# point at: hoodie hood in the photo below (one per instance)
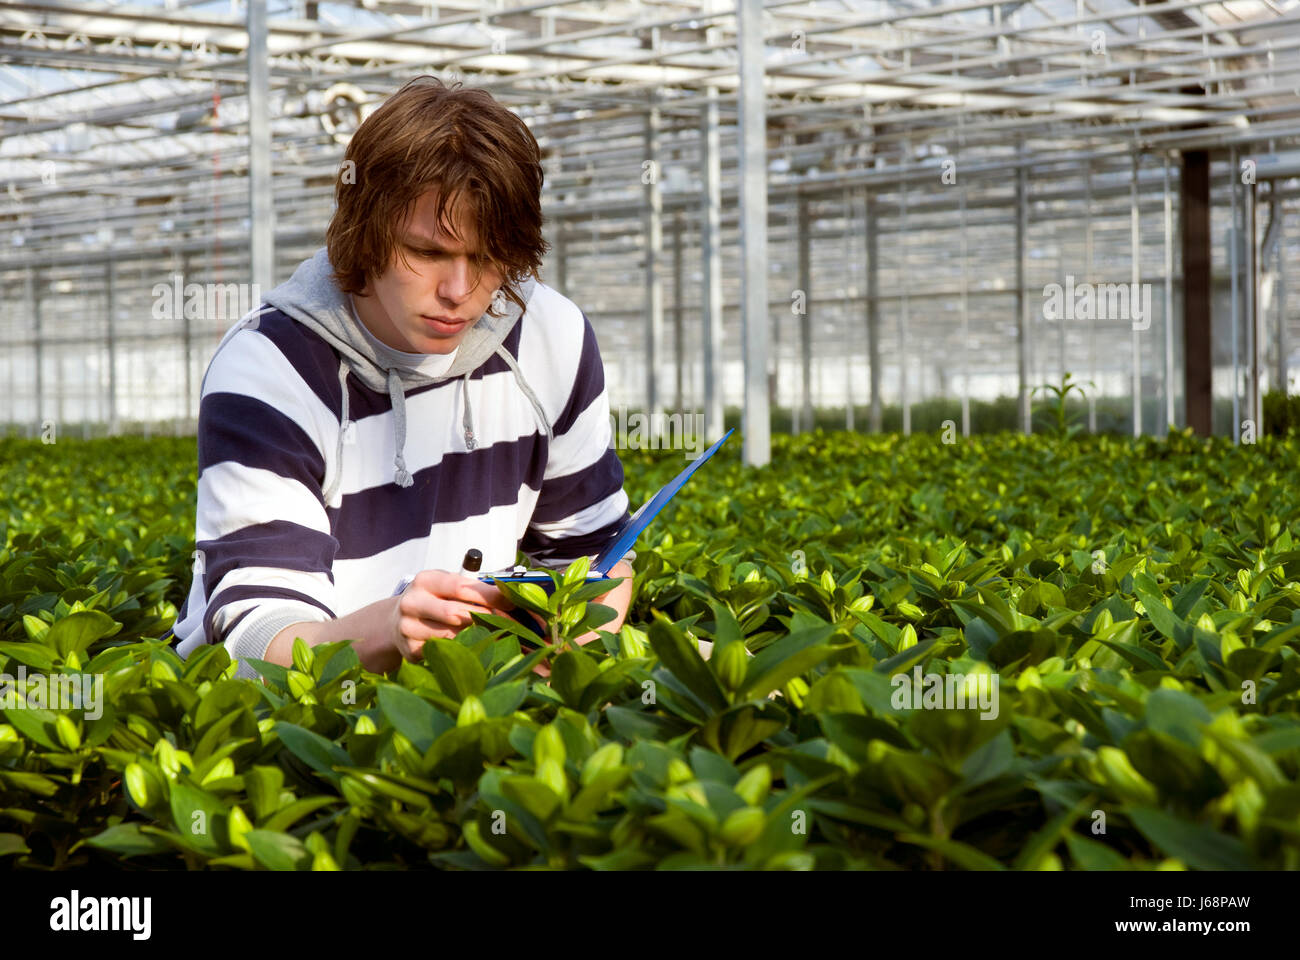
(312, 298)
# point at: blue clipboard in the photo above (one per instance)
(622, 542)
(631, 528)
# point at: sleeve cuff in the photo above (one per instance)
(252, 637)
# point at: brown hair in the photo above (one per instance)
(460, 142)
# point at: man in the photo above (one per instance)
(414, 390)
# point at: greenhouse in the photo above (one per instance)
(950, 346)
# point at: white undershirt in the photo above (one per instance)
(429, 364)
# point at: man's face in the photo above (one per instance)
(444, 279)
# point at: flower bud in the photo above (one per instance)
(168, 760)
(137, 785)
(68, 733)
(238, 824)
(732, 664)
(485, 851)
(679, 772)
(471, 711)
(607, 757)
(742, 827)
(551, 773)
(754, 785)
(631, 642)
(300, 684)
(795, 690)
(548, 745)
(910, 610)
(223, 768)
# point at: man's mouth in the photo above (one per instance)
(444, 324)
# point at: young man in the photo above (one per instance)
(414, 390)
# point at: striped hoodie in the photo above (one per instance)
(331, 466)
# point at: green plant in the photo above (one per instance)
(1062, 429)
(1137, 601)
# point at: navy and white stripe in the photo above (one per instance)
(275, 552)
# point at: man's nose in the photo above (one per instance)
(458, 281)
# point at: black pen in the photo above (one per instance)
(468, 568)
(470, 565)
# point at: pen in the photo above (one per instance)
(468, 568)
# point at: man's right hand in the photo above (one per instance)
(437, 603)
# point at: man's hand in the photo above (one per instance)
(438, 604)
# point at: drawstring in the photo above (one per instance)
(402, 478)
(504, 354)
(343, 426)
(468, 421)
(401, 475)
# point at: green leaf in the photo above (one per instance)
(36, 725)
(576, 571)
(632, 723)
(1177, 714)
(126, 840)
(34, 783)
(78, 631)
(314, 750)
(507, 624)
(530, 596)
(1138, 657)
(457, 670)
(30, 654)
(1091, 854)
(725, 628)
(263, 785)
(504, 699)
(507, 674)
(789, 657)
(709, 765)
(607, 684)
(35, 627)
(278, 851)
(593, 589)
(682, 658)
(196, 815)
(412, 716)
(291, 813)
(1197, 845)
(571, 671)
(964, 855)
(533, 795)
(1164, 619)
(905, 660)
(390, 786)
(741, 728)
